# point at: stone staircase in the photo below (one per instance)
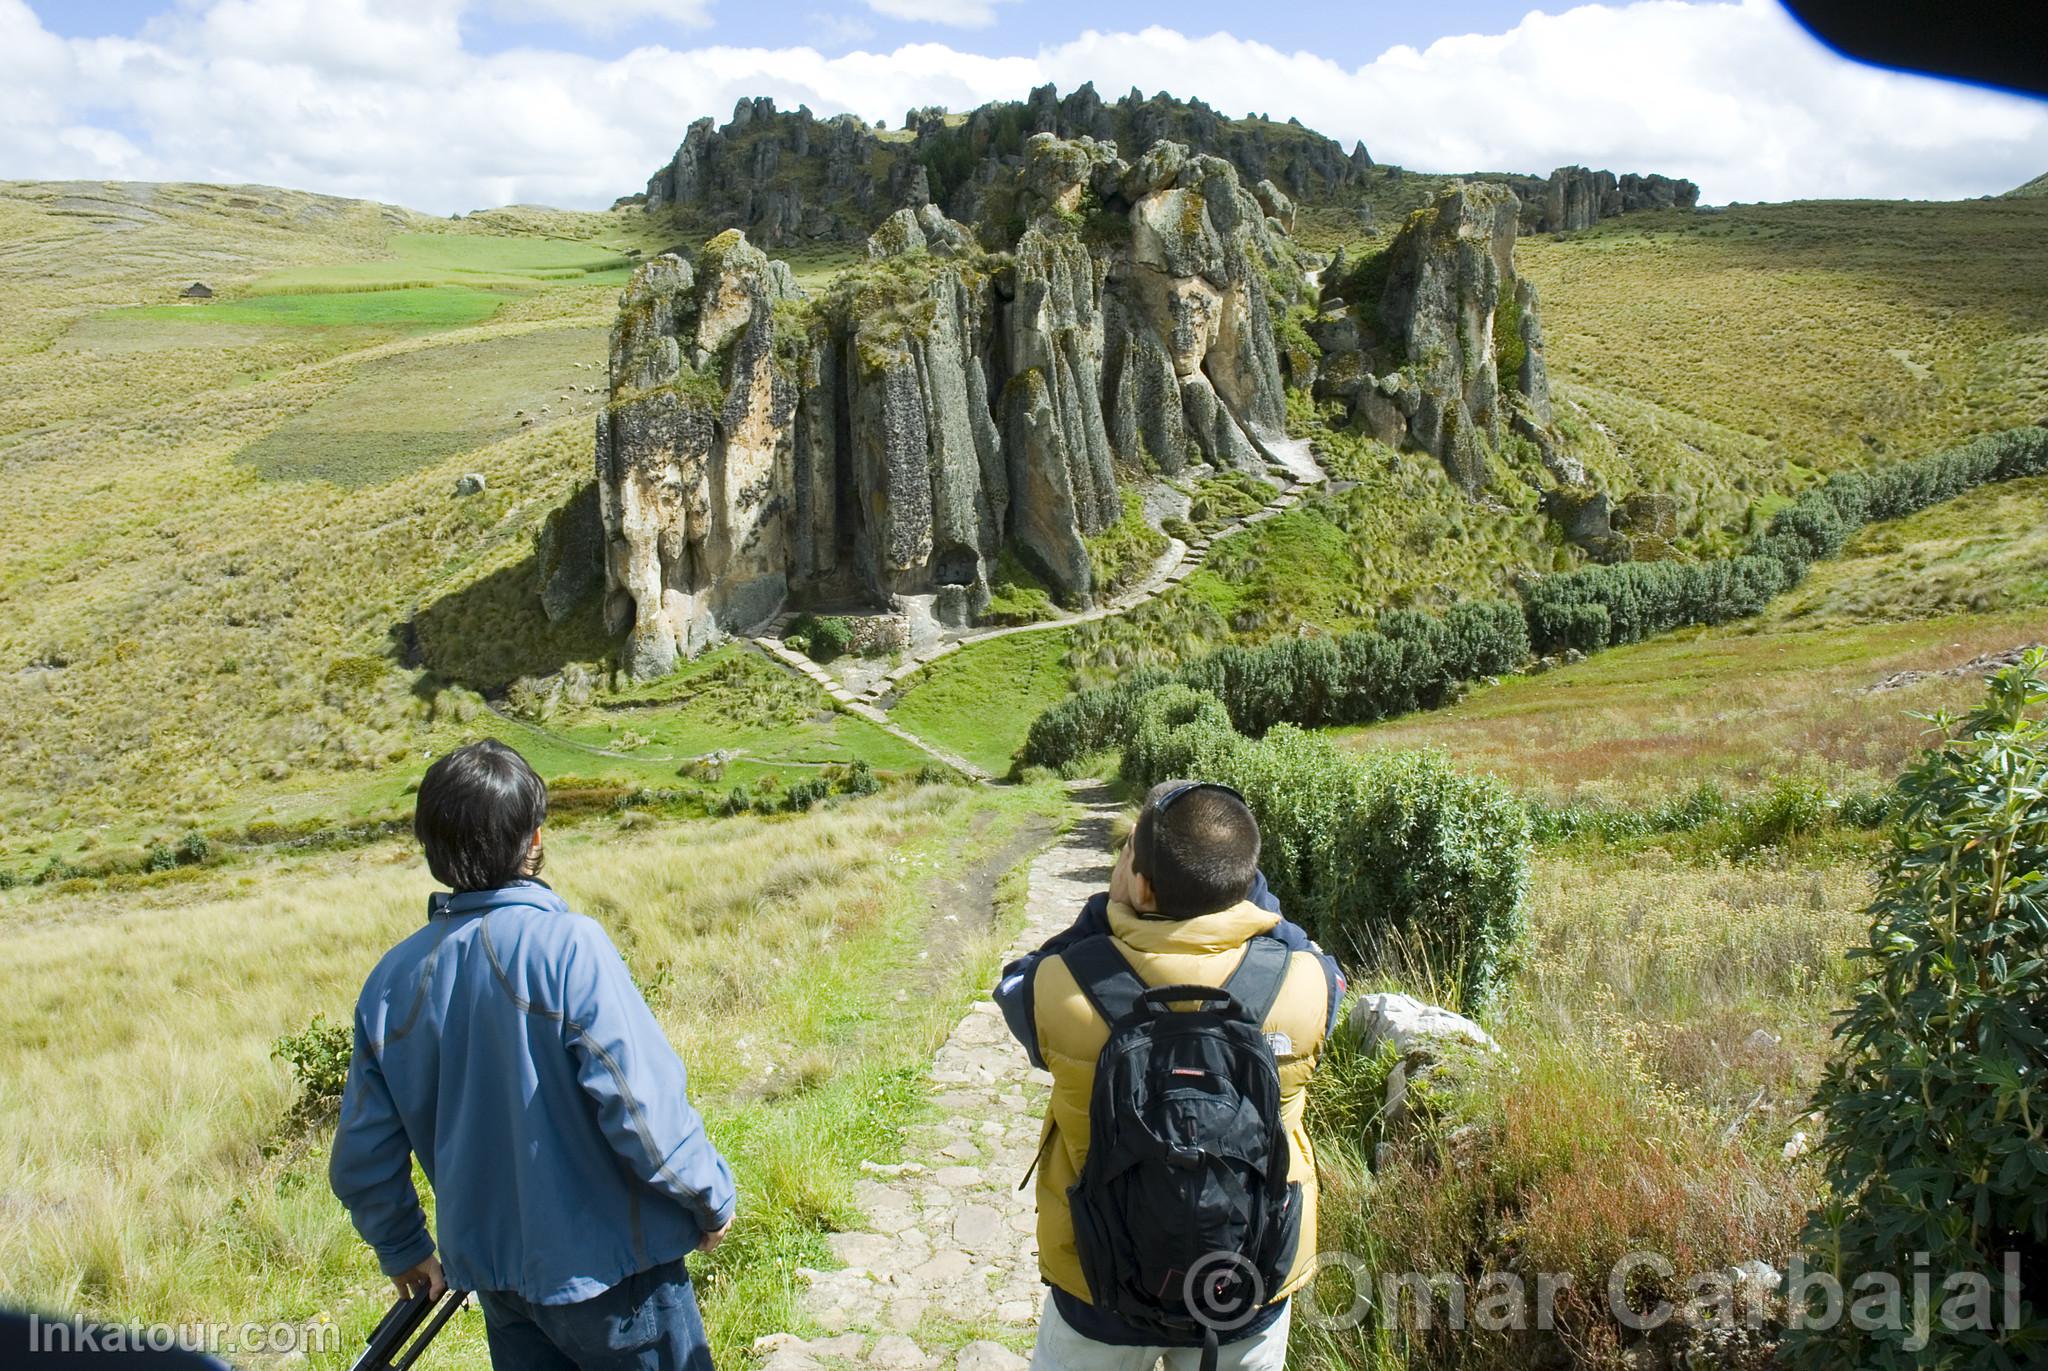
(1179, 561)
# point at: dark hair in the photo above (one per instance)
(1198, 845)
(477, 812)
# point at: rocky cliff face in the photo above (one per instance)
(882, 446)
(1575, 198)
(785, 176)
(1436, 343)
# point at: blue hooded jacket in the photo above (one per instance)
(507, 1047)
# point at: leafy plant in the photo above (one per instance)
(806, 794)
(820, 637)
(319, 1056)
(1410, 660)
(1937, 1129)
(1394, 859)
(860, 778)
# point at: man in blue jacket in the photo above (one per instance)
(505, 1045)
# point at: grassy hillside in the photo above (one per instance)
(226, 520)
(802, 968)
(1807, 688)
(1723, 356)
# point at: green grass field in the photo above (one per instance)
(978, 701)
(400, 413)
(427, 307)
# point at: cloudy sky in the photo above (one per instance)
(448, 105)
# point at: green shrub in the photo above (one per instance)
(1409, 661)
(1394, 860)
(318, 1056)
(806, 794)
(1644, 598)
(158, 857)
(1792, 808)
(193, 849)
(860, 778)
(738, 800)
(820, 637)
(1935, 1120)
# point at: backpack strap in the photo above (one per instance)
(1257, 982)
(1108, 981)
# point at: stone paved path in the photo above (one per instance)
(946, 1271)
(1176, 564)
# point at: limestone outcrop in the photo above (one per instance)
(883, 445)
(786, 176)
(1576, 198)
(1436, 343)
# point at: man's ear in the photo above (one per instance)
(1141, 894)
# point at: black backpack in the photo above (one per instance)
(1183, 1214)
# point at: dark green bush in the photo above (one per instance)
(860, 778)
(806, 794)
(820, 637)
(1645, 598)
(738, 800)
(1394, 861)
(1934, 1140)
(1409, 661)
(318, 1056)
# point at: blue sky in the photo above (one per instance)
(448, 105)
(1351, 32)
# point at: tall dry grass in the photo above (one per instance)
(152, 1172)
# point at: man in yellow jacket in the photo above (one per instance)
(1178, 913)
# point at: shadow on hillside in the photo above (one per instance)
(490, 633)
(487, 635)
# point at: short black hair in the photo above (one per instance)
(478, 809)
(1198, 845)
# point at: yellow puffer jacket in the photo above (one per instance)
(1202, 951)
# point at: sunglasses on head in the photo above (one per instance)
(1155, 808)
(1180, 792)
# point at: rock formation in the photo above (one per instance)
(785, 176)
(781, 176)
(1436, 342)
(1575, 198)
(883, 445)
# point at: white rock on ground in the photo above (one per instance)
(1412, 1026)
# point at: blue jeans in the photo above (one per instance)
(647, 1322)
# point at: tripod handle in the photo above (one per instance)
(398, 1325)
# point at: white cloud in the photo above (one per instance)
(958, 14)
(379, 98)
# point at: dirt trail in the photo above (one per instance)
(946, 1273)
